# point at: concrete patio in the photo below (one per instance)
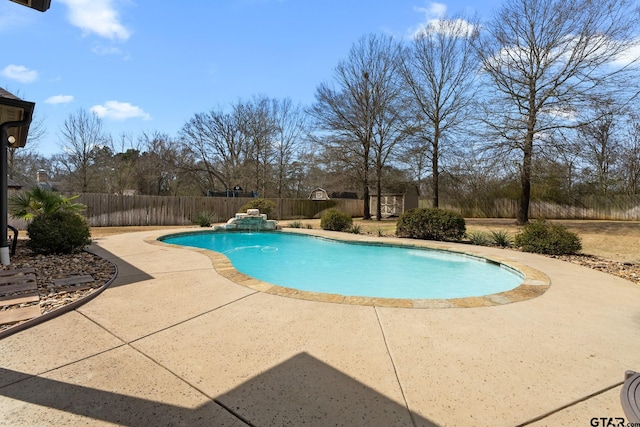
(172, 342)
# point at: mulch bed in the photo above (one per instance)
(61, 279)
(626, 270)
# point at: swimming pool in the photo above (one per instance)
(316, 264)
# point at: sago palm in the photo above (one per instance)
(37, 201)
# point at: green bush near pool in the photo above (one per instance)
(431, 224)
(335, 220)
(543, 237)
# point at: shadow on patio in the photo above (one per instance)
(301, 390)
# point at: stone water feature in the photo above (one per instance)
(253, 220)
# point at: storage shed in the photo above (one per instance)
(394, 203)
(319, 194)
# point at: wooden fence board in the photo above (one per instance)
(105, 210)
(619, 208)
(111, 210)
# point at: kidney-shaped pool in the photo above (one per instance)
(316, 264)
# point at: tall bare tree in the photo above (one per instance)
(80, 138)
(291, 127)
(545, 59)
(219, 144)
(600, 143)
(415, 156)
(630, 167)
(439, 68)
(259, 125)
(164, 167)
(123, 165)
(361, 110)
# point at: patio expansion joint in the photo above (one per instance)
(192, 317)
(570, 404)
(131, 345)
(64, 365)
(188, 383)
(191, 385)
(393, 364)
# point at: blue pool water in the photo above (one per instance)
(321, 265)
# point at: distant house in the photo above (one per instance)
(319, 194)
(42, 181)
(13, 186)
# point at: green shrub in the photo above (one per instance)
(501, 238)
(335, 220)
(479, 238)
(295, 224)
(265, 206)
(60, 232)
(204, 219)
(545, 238)
(431, 224)
(355, 229)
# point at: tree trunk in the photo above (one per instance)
(366, 214)
(379, 198)
(367, 209)
(525, 197)
(436, 174)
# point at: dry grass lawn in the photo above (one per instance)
(613, 240)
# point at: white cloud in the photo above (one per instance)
(59, 99)
(433, 11)
(631, 55)
(436, 20)
(119, 111)
(20, 73)
(97, 16)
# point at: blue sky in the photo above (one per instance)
(151, 65)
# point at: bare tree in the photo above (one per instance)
(415, 156)
(252, 145)
(361, 109)
(545, 59)
(630, 157)
(258, 123)
(164, 167)
(80, 136)
(18, 158)
(600, 144)
(439, 68)
(291, 126)
(126, 155)
(566, 152)
(219, 145)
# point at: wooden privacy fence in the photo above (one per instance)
(111, 210)
(617, 208)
